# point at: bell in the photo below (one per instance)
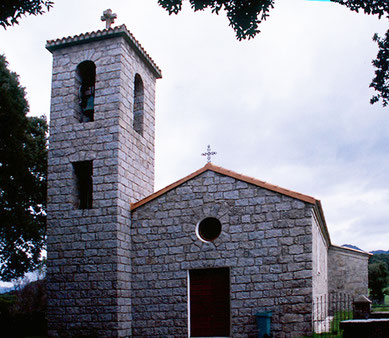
(90, 104)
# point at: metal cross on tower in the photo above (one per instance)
(209, 153)
(109, 18)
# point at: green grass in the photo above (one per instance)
(326, 334)
(338, 317)
(335, 331)
(384, 307)
(379, 308)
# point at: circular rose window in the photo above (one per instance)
(209, 229)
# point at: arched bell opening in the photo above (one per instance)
(86, 75)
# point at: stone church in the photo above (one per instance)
(198, 258)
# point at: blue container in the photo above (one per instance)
(263, 320)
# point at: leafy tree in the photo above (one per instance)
(374, 7)
(12, 10)
(23, 310)
(377, 280)
(246, 15)
(30, 297)
(23, 171)
(380, 257)
(381, 80)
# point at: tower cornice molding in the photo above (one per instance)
(119, 31)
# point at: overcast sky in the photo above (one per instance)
(290, 107)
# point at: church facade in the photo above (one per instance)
(198, 258)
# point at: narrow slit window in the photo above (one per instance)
(84, 184)
(86, 75)
(138, 104)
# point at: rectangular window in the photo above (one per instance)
(84, 184)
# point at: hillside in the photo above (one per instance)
(379, 252)
(350, 246)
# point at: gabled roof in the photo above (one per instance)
(318, 210)
(220, 170)
(122, 31)
(349, 250)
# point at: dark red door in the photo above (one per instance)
(210, 302)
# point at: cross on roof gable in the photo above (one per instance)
(318, 210)
(209, 153)
(109, 18)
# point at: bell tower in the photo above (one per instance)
(101, 159)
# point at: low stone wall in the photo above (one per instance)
(372, 328)
(381, 315)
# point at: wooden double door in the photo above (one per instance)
(209, 299)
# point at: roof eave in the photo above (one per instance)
(222, 171)
(345, 249)
(318, 209)
(120, 31)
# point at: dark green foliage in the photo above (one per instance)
(23, 312)
(244, 15)
(381, 81)
(12, 10)
(378, 273)
(6, 302)
(378, 264)
(380, 257)
(335, 323)
(23, 171)
(30, 298)
(384, 258)
(374, 7)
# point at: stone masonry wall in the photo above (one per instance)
(319, 260)
(319, 275)
(347, 271)
(88, 250)
(266, 241)
(135, 170)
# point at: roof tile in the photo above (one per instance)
(220, 170)
(102, 34)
